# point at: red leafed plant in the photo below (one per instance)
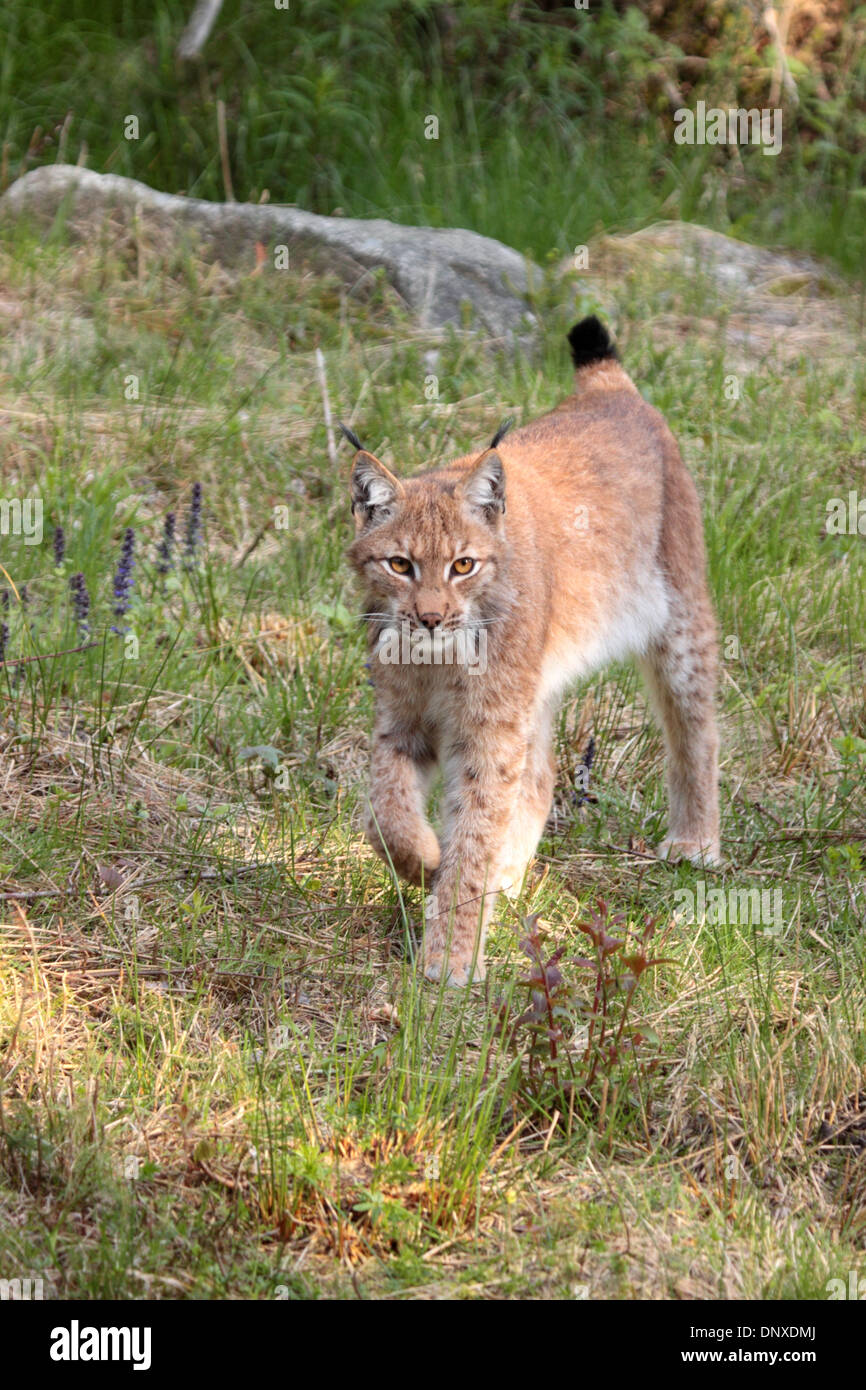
(546, 1032)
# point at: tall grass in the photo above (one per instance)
(550, 120)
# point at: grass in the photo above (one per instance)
(552, 122)
(219, 1074)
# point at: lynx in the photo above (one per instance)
(571, 542)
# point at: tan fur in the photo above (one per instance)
(598, 555)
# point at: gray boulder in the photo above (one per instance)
(438, 273)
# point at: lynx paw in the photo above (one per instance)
(701, 855)
(512, 880)
(457, 970)
(413, 851)
(457, 965)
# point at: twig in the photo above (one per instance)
(224, 151)
(48, 656)
(782, 73)
(31, 149)
(41, 893)
(61, 142)
(326, 406)
(248, 550)
(197, 31)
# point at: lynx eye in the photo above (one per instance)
(465, 565)
(399, 564)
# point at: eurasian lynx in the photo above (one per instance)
(575, 541)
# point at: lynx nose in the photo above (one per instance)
(430, 620)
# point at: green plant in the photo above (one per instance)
(559, 1056)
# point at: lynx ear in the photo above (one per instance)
(374, 490)
(484, 488)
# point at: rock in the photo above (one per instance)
(736, 267)
(699, 285)
(438, 272)
(764, 301)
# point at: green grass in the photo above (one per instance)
(551, 123)
(219, 1073)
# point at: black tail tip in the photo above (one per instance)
(590, 342)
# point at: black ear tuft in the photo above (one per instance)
(590, 342)
(501, 432)
(350, 435)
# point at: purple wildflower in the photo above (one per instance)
(59, 545)
(165, 553)
(123, 577)
(193, 526)
(80, 601)
(5, 602)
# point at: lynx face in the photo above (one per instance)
(431, 553)
(492, 542)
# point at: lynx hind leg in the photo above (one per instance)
(531, 811)
(680, 670)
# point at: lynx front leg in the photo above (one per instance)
(680, 670)
(396, 825)
(481, 792)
